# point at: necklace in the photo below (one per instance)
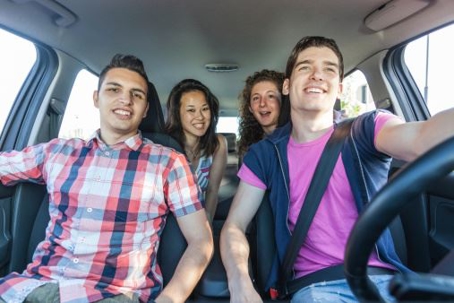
(192, 156)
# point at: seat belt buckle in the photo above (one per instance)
(274, 294)
(278, 293)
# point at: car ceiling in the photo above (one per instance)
(175, 39)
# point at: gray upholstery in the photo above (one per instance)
(154, 121)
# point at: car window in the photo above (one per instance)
(81, 118)
(227, 125)
(429, 60)
(17, 57)
(356, 97)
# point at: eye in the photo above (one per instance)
(206, 108)
(113, 89)
(332, 69)
(138, 95)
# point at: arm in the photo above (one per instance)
(234, 245)
(27, 164)
(197, 232)
(407, 141)
(216, 173)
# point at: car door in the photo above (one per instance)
(32, 107)
(18, 67)
(419, 76)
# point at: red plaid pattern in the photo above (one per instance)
(108, 205)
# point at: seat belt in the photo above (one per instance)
(55, 111)
(317, 188)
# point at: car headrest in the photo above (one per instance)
(231, 141)
(154, 121)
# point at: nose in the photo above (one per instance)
(262, 101)
(317, 74)
(200, 115)
(126, 98)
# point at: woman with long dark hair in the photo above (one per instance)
(193, 112)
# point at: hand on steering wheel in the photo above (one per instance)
(412, 180)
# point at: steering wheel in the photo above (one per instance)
(412, 180)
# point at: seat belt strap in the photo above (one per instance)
(55, 111)
(317, 188)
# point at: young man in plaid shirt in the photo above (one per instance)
(109, 198)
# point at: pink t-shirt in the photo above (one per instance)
(337, 213)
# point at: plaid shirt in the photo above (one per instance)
(108, 206)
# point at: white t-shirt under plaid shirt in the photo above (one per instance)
(107, 206)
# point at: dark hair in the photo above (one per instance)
(208, 143)
(123, 61)
(250, 131)
(314, 41)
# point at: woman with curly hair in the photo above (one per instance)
(261, 108)
(193, 112)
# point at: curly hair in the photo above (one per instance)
(250, 131)
(208, 143)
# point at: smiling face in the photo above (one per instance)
(264, 104)
(122, 103)
(314, 83)
(195, 114)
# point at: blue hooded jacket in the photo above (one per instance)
(367, 170)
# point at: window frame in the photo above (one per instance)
(24, 111)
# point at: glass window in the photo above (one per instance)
(81, 117)
(356, 97)
(17, 57)
(430, 60)
(227, 125)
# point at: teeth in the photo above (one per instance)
(314, 90)
(122, 112)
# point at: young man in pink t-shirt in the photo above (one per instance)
(284, 163)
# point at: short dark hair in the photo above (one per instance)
(314, 41)
(208, 143)
(123, 61)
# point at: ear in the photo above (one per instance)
(145, 112)
(286, 87)
(341, 88)
(95, 98)
(250, 109)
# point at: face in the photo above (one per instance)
(122, 103)
(195, 114)
(265, 104)
(314, 83)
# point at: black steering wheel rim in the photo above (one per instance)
(409, 182)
